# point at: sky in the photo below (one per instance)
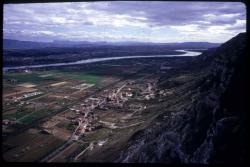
(115, 21)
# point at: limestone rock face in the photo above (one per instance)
(212, 128)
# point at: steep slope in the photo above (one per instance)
(206, 124)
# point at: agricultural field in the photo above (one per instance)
(113, 107)
(52, 75)
(29, 146)
(22, 107)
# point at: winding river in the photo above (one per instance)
(86, 61)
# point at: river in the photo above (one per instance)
(86, 61)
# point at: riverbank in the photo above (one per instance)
(86, 61)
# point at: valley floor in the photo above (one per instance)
(79, 113)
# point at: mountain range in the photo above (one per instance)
(17, 44)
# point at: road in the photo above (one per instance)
(51, 156)
(42, 119)
(54, 154)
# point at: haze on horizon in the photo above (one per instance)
(125, 21)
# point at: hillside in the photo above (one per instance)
(203, 121)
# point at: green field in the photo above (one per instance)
(28, 77)
(77, 75)
(35, 115)
(54, 75)
(38, 78)
(14, 116)
(27, 117)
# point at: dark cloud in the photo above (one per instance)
(45, 20)
(176, 13)
(156, 13)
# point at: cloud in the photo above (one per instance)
(88, 19)
(174, 13)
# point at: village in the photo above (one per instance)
(78, 114)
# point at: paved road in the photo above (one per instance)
(52, 155)
(42, 119)
(64, 146)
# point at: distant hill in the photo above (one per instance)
(195, 44)
(186, 45)
(17, 44)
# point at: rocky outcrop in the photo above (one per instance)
(212, 128)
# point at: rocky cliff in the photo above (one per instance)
(206, 124)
